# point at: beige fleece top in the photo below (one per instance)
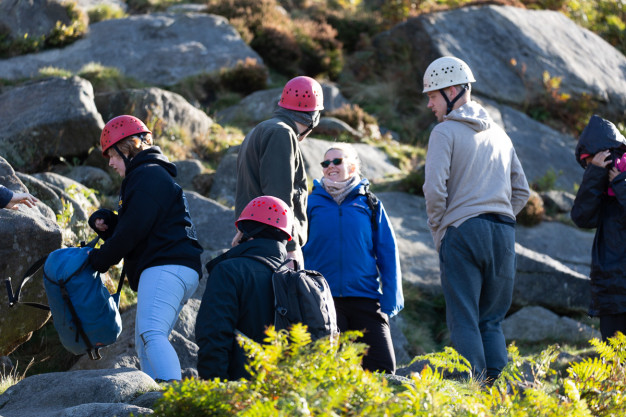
(471, 169)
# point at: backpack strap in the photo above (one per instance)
(281, 310)
(373, 203)
(94, 353)
(14, 297)
(267, 263)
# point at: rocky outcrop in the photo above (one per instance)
(543, 151)
(108, 392)
(169, 112)
(47, 119)
(34, 18)
(158, 49)
(26, 235)
(509, 48)
(538, 324)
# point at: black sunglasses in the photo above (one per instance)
(336, 161)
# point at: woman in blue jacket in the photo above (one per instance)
(354, 247)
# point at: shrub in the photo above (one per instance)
(63, 34)
(414, 181)
(600, 381)
(105, 79)
(321, 51)
(105, 12)
(246, 77)
(224, 87)
(570, 113)
(278, 47)
(290, 375)
(533, 212)
(353, 115)
(291, 46)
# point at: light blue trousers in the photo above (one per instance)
(162, 293)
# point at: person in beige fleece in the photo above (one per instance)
(474, 187)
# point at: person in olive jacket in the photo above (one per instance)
(601, 204)
(270, 162)
(239, 298)
(155, 236)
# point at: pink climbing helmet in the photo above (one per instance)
(302, 94)
(269, 210)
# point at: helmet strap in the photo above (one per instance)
(126, 159)
(121, 154)
(305, 131)
(450, 103)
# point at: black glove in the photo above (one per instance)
(110, 219)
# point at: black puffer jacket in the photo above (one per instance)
(594, 208)
(238, 297)
(154, 226)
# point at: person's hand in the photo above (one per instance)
(600, 159)
(21, 198)
(103, 222)
(101, 225)
(236, 239)
(613, 172)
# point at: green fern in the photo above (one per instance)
(293, 376)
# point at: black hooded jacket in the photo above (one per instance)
(238, 297)
(154, 226)
(595, 208)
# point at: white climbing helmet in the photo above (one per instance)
(445, 72)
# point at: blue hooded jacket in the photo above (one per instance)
(343, 246)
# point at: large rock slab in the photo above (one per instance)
(418, 258)
(158, 49)
(34, 18)
(565, 244)
(104, 392)
(536, 324)
(215, 223)
(540, 279)
(26, 235)
(541, 149)
(169, 113)
(46, 119)
(509, 49)
(544, 281)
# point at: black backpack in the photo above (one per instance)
(302, 296)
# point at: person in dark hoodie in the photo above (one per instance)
(239, 297)
(601, 204)
(155, 236)
(270, 161)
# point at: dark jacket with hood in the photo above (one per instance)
(595, 208)
(5, 196)
(270, 163)
(154, 227)
(238, 297)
